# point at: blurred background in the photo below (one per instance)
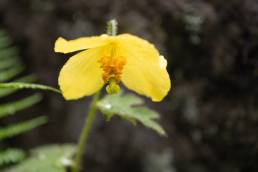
(211, 114)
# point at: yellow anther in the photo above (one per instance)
(112, 68)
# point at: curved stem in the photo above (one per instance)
(85, 133)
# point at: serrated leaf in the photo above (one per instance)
(20, 85)
(22, 127)
(11, 155)
(11, 108)
(129, 107)
(53, 158)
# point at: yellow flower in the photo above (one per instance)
(108, 60)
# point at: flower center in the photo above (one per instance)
(112, 69)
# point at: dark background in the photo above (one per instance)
(211, 113)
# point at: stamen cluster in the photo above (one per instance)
(112, 68)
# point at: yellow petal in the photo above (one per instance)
(65, 46)
(145, 70)
(81, 75)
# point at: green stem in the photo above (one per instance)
(112, 27)
(85, 133)
(111, 30)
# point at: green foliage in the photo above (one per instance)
(7, 91)
(10, 156)
(129, 107)
(11, 69)
(5, 41)
(9, 63)
(21, 127)
(12, 107)
(10, 73)
(53, 158)
(20, 85)
(7, 53)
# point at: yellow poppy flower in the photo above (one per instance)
(108, 60)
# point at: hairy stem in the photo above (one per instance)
(85, 133)
(112, 27)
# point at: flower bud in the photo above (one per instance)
(112, 87)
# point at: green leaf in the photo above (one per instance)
(4, 40)
(7, 91)
(8, 53)
(10, 156)
(11, 73)
(11, 108)
(52, 158)
(11, 68)
(22, 127)
(20, 85)
(129, 107)
(7, 63)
